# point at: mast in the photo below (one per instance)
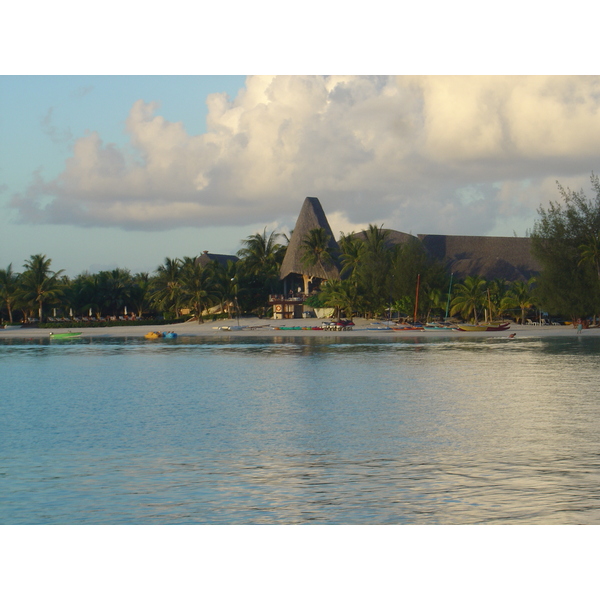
(449, 293)
(417, 298)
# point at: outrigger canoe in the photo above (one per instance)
(66, 335)
(437, 326)
(484, 327)
(298, 328)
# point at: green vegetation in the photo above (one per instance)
(179, 289)
(316, 250)
(378, 279)
(470, 296)
(565, 240)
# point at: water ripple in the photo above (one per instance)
(259, 432)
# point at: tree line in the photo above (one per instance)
(177, 287)
(566, 241)
(377, 278)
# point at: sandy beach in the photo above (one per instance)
(255, 327)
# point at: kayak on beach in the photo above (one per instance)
(65, 335)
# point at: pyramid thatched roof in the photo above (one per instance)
(311, 217)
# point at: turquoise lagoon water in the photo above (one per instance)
(300, 430)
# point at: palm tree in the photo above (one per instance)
(498, 288)
(140, 293)
(89, 293)
(375, 239)
(38, 284)
(316, 250)
(520, 295)
(114, 290)
(469, 296)
(228, 280)
(352, 250)
(167, 286)
(374, 270)
(8, 289)
(435, 300)
(198, 287)
(340, 295)
(261, 259)
(261, 254)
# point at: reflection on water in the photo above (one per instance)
(296, 430)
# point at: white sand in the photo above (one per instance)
(265, 327)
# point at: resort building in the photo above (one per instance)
(490, 257)
(207, 257)
(506, 258)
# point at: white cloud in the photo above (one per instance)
(339, 223)
(422, 154)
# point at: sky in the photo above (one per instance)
(110, 169)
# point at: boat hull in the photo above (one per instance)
(64, 336)
(484, 327)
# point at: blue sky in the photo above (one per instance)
(42, 116)
(110, 169)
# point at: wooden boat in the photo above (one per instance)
(484, 327)
(381, 326)
(341, 325)
(408, 327)
(64, 336)
(435, 327)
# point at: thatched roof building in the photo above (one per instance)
(207, 257)
(507, 258)
(311, 217)
(392, 237)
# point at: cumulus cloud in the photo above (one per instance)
(431, 154)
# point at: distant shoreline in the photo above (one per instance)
(255, 327)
